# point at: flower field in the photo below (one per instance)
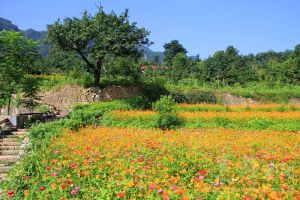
(238, 108)
(218, 152)
(209, 115)
(253, 117)
(112, 163)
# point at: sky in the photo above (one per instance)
(202, 26)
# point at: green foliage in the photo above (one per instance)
(227, 67)
(167, 116)
(124, 67)
(180, 65)
(165, 105)
(58, 61)
(30, 93)
(153, 90)
(16, 57)
(171, 50)
(279, 93)
(195, 97)
(94, 38)
(168, 121)
(80, 77)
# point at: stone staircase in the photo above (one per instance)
(11, 149)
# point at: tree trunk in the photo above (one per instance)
(8, 106)
(97, 75)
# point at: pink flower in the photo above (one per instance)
(77, 188)
(160, 191)
(54, 174)
(175, 187)
(151, 186)
(73, 192)
(200, 178)
(217, 184)
(73, 165)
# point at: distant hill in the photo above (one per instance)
(44, 50)
(35, 35)
(7, 25)
(149, 54)
(38, 36)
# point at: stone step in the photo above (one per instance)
(10, 143)
(19, 133)
(9, 148)
(8, 136)
(8, 159)
(10, 152)
(10, 139)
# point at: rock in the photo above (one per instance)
(229, 99)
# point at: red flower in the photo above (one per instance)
(287, 159)
(10, 193)
(42, 188)
(121, 195)
(203, 172)
(247, 198)
(63, 186)
(259, 155)
(73, 165)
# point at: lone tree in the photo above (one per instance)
(94, 38)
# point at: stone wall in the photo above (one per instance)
(64, 98)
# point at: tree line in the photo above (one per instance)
(228, 67)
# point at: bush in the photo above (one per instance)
(165, 105)
(153, 90)
(195, 97)
(168, 121)
(167, 116)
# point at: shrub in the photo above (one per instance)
(165, 105)
(167, 116)
(153, 90)
(168, 121)
(195, 97)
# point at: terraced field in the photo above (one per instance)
(254, 117)
(218, 153)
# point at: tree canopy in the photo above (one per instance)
(16, 57)
(94, 38)
(171, 50)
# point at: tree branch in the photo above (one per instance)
(85, 59)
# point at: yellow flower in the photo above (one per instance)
(26, 193)
(53, 186)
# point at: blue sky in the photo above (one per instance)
(202, 26)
